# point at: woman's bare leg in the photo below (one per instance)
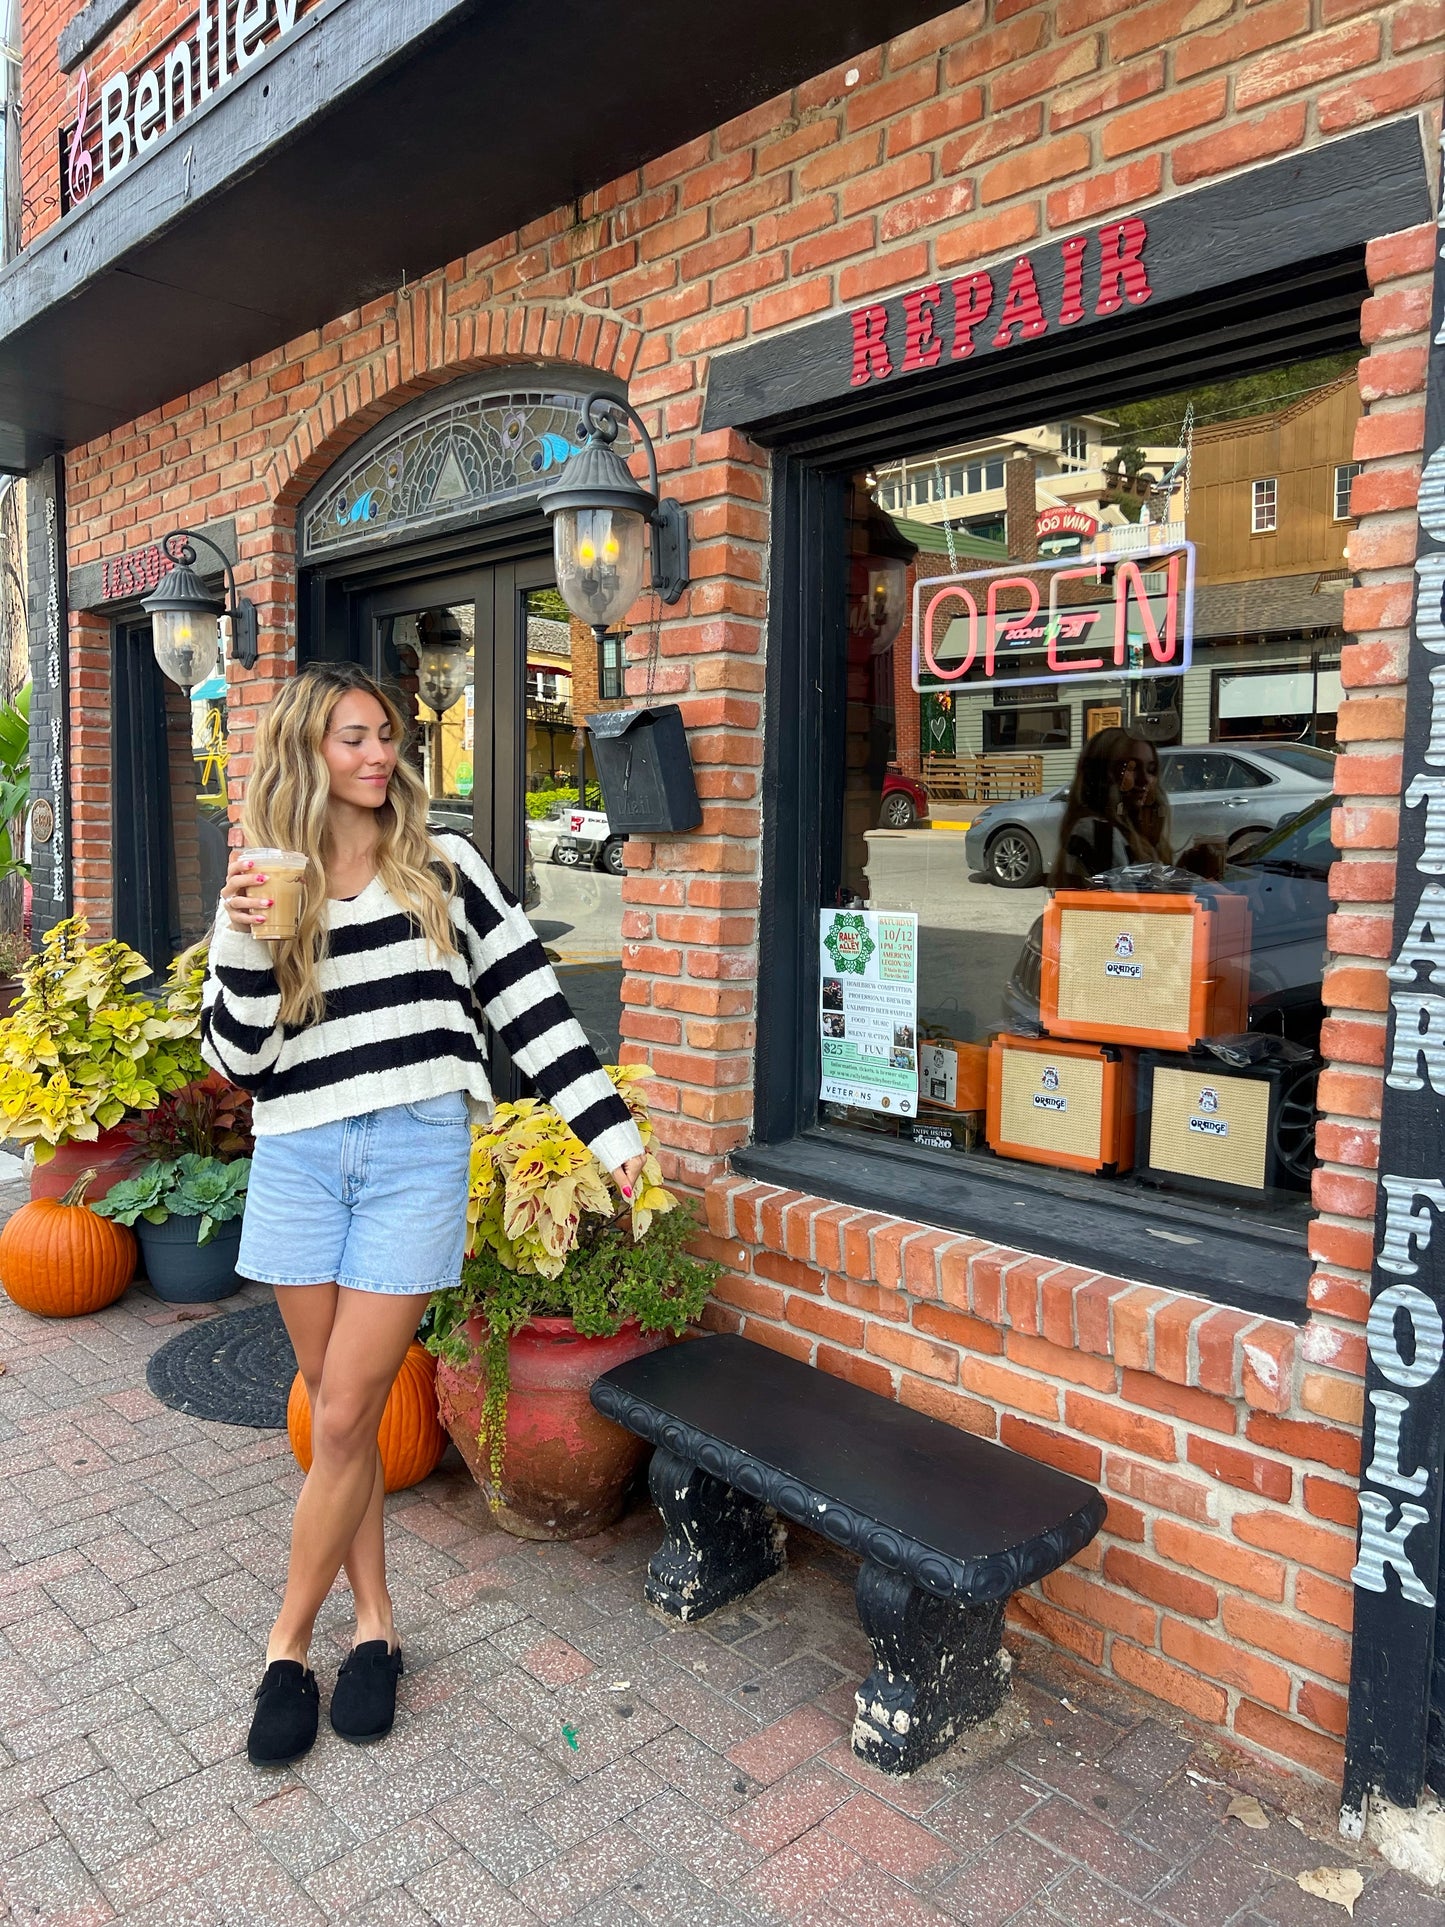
(338, 1516)
(308, 1312)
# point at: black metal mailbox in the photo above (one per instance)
(645, 769)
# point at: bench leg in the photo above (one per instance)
(720, 1543)
(938, 1667)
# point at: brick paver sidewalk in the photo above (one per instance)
(560, 1754)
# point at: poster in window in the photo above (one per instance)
(868, 1009)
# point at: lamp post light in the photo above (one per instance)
(186, 617)
(600, 515)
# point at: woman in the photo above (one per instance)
(1116, 813)
(360, 1041)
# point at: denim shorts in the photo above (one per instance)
(376, 1202)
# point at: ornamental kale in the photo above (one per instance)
(190, 1187)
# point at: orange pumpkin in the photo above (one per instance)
(59, 1260)
(411, 1436)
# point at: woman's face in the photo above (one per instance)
(1135, 771)
(359, 750)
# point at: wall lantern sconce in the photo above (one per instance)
(878, 581)
(599, 516)
(443, 660)
(186, 617)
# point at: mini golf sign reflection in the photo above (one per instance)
(1068, 620)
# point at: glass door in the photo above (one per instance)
(484, 660)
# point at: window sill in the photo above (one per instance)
(1228, 1260)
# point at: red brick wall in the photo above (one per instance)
(973, 136)
(1227, 1445)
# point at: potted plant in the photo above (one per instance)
(560, 1284)
(187, 1215)
(81, 1051)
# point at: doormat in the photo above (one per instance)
(236, 1370)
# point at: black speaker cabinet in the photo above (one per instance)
(645, 768)
(1225, 1133)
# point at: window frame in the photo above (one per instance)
(990, 716)
(610, 680)
(1176, 1242)
(1268, 500)
(1349, 470)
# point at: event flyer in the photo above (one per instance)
(869, 1009)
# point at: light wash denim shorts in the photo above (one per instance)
(376, 1202)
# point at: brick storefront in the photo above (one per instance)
(1227, 1442)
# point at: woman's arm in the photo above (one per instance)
(523, 1002)
(241, 1031)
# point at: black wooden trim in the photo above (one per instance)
(143, 854)
(1250, 229)
(1162, 1241)
(1395, 1737)
(87, 29)
(798, 750)
(50, 688)
(370, 146)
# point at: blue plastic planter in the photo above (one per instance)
(183, 1272)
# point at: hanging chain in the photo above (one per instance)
(947, 525)
(654, 647)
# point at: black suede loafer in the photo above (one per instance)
(364, 1703)
(288, 1707)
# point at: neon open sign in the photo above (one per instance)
(1072, 619)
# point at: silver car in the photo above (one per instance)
(1238, 791)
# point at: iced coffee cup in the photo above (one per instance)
(285, 885)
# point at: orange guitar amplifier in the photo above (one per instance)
(1069, 1105)
(1210, 1127)
(952, 1076)
(1163, 971)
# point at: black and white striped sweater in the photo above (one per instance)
(402, 1024)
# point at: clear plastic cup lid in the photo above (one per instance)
(292, 859)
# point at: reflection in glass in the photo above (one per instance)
(433, 650)
(1121, 882)
(574, 861)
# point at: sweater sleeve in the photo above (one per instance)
(241, 1029)
(523, 1002)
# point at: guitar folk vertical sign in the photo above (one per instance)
(1396, 1574)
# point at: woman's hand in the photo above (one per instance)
(243, 911)
(626, 1175)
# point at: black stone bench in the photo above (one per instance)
(948, 1525)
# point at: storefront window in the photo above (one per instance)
(1084, 842)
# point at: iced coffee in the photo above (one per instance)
(285, 885)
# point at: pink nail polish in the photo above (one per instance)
(627, 1190)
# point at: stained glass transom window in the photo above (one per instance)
(464, 456)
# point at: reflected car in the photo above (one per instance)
(1237, 791)
(905, 801)
(1286, 879)
(574, 837)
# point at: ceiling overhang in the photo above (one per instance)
(377, 141)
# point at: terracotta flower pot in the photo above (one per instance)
(566, 1469)
(112, 1156)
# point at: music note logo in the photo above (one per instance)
(81, 170)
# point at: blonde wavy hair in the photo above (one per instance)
(285, 809)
